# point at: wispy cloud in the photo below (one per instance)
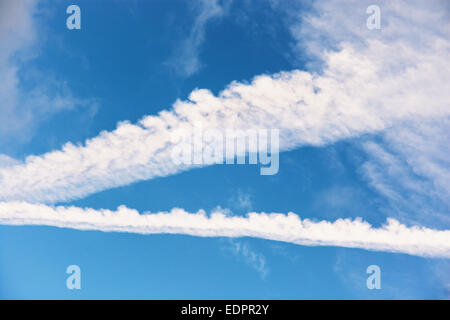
(186, 60)
(392, 237)
(255, 260)
(410, 167)
(22, 110)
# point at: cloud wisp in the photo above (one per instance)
(23, 110)
(411, 168)
(186, 60)
(255, 260)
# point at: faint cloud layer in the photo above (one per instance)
(255, 260)
(411, 169)
(24, 107)
(241, 200)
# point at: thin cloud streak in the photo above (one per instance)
(24, 108)
(186, 60)
(392, 237)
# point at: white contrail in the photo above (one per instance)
(363, 88)
(392, 237)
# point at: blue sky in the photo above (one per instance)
(362, 116)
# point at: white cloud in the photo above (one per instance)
(17, 33)
(392, 237)
(22, 110)
(16, 27)
(241, 200)
(365, 87)
(331, 23)
(186, 59)
(410, 165)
